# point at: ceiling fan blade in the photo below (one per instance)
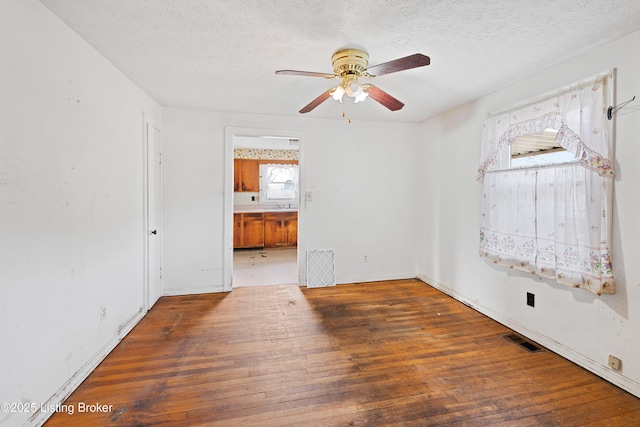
(306, 74)
(319, 100)
(383, 97)
(406, 63)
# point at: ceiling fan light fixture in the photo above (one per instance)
(352, 87)
(337, 93)
(361, 97)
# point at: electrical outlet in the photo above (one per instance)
(103, 312)
(308, 196)
(365, 258)
(531, 299)
(615, 363)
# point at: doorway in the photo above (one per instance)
(263, 208)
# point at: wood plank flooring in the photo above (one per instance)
(383, 353)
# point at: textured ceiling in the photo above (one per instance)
(221, 55)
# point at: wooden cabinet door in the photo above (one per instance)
(250, 172)
(248, 230)
(246, 175)
(272, 232)
(280, 229)
(253, 233)
(291, 232)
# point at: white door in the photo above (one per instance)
(154, 215)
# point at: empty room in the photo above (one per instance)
(319, 213)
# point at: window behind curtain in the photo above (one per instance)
(552, 217)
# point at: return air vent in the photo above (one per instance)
(527, 345)
(320, 268)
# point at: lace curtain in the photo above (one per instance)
(554, 220)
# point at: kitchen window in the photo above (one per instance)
(279, 183)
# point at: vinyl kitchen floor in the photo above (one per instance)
(260, 267)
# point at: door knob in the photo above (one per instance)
(154, 232)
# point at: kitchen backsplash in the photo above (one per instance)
(246, 198)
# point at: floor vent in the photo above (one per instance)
(320, 268)
(527, 345)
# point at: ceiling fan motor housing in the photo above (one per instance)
(350, 62)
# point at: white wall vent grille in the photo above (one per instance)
(321, 268)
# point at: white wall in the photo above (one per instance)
(71, 197)
(361, 180)
(575, 323)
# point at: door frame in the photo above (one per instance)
(148, 121)
(230, 133)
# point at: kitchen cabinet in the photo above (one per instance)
(248, 230)
(280, 229)
(265, 230)
(246, 175)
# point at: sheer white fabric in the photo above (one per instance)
(554, 220)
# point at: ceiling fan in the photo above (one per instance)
(350, 65)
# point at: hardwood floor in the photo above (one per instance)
(384, 353)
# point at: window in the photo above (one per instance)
(547, 182)
(539, 149)
(278, 183)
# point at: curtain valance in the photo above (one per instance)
(578, 112)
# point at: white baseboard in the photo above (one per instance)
(367, 279)
(39, 418)
(192, 291)
(589, 364)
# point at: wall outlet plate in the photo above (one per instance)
(615, 363)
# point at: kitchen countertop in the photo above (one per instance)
(261, 209)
